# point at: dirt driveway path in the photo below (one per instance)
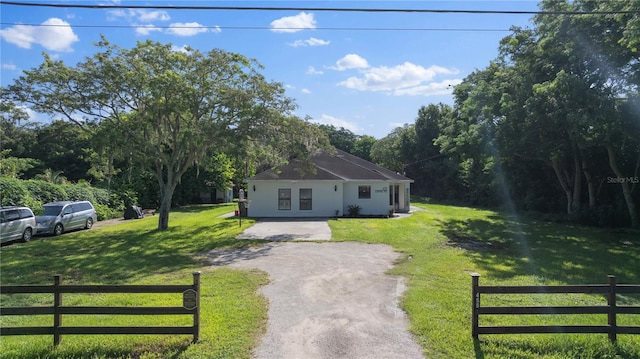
(329, 300)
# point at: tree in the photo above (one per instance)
(388, 151)
(341, 138)
(172, 107)
(362, 147)
(52, 176)
(16, 137)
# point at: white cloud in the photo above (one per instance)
(185, 49)
(139, 15)
(396, 124)
(405, 79)
(312, 41)
(10, 67)
(294, 23)
(330, 120)
(186, 29)
(146, 29)
(350, 61)
(312, 71)
(148, 16)
(435, 88)
(305, 91)
(54, 35)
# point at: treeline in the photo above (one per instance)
(550, 126)
(61, 156)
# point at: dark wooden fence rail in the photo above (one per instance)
(611, 309)
(190, 301)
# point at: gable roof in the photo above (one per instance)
(341, 166)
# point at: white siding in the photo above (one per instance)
(378, 204)
(326, 198)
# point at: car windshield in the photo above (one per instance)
(51, 210)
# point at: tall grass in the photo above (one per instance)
(443, 244)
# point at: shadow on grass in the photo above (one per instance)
(505, 247)
(478, 348)
(118, 255)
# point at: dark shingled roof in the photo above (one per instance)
(340, 166)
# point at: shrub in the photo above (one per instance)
(101, 196)
(13, 192)
(35, 205)
(45, 192)
(105, 212)
(129, 198)
(79, 193)
(354, 210)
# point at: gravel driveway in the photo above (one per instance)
(328, 300)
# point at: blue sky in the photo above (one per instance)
(368, 81)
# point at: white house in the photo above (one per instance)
(339, 181)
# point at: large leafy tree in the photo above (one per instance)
(171, 107)
(579, 69)
(555, 99)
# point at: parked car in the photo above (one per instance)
(59, 217)
(16, 223)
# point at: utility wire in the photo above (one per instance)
(318, 9)
(216, 27)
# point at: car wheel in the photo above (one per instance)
(89, 223)
(58, 229)
(26, 236)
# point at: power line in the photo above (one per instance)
(317, 9)
(256, 27)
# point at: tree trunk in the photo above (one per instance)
(576, 201)
(626, 190)
(165, 205)
(591, 188)
(563, 184)
(168, 183)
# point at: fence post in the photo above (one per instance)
(57, 303)
(611, 301)
(475, 304)
(196, 314)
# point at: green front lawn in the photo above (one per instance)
(441, 245)
(233, 315)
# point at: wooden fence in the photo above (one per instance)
(611, 290)
(190, 301)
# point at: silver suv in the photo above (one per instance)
(58, 217)
(16, 223)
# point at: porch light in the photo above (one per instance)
(335, 188)
(254, 188)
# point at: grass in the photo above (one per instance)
(233, 315)
(441, 245)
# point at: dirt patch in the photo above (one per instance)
(108, 222)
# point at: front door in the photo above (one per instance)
(394, 196)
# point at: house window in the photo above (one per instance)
(284, 199)
(305, 199)
(364, 192)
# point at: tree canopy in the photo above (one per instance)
(169, 108)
